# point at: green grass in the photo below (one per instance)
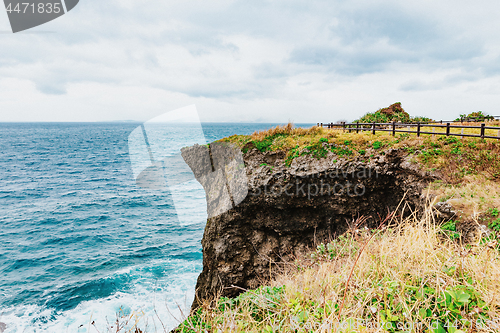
(495, 225)
(455, 157)
(377, 145)
(450, 229)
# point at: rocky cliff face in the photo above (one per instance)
(287, 210)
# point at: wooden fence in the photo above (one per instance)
(395, 128)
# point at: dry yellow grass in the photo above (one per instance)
(363, 283)
(288, 136)
(408, 278)
(475, 195)
(288, 129)
(438, 130)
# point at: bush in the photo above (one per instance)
(394, 112)
(377, 145)
(477, 116)
(495, 225)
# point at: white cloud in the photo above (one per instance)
(247, 61)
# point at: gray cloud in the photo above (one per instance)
(242, 51)
(368, 40)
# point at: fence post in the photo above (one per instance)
(357, 127)
(418, 129)
(393, 128)
(331, 125)
(482, 131)
(498, 134)
(373, 128)
(447, 129)
(462, 133)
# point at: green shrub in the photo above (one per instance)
(449, 226)
(341, 151)
(292, 153)
(495, 225)
(449, 139)
(494, 212)
(394, 112)
(450, 229)
(477, 115)
(377, 145)
(265, 144)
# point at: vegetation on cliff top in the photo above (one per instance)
(455, 157)
(413, 277)
(409, 278)
(394, 112)
(468, 168)
(477, 115)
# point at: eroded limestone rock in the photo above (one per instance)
(290, 209)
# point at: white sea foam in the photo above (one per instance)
(152, 305)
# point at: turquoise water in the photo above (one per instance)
(80, 242)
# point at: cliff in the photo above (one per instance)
(287, 210)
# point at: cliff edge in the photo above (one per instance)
(289, 209)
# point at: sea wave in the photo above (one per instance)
(151, 301)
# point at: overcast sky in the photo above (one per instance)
(263, 61)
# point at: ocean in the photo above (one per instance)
(82, 247)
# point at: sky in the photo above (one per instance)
(253, 61)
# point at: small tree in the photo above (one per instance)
(394, 112)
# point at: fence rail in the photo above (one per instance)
(394, 128)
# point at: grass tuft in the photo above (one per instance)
(408, 278)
